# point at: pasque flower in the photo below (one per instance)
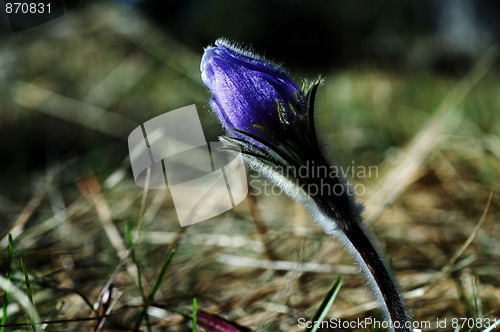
(271, 120)
(247, 89)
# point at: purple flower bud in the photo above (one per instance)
(250, 94)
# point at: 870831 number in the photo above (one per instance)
(27, 8)
(469, 323)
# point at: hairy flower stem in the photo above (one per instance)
(339, 216)
(339, 209)
(335, 209)
(361, 248)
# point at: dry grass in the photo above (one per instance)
(84, 83)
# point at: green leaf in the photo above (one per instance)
(153, 291)
(130, 243)
(281, 114)
(159, 279)
(195, 315)
(325, 305)
(28, 290)
(7, 276)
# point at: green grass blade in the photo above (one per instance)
(28, 290)
(195, 316)
(130, 242)
(27, 280)
(325, 305)
(11, 291)
(159, 279)
(7, 276)
(155, 288)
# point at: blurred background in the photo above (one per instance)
(411, 88)
(412, 39)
